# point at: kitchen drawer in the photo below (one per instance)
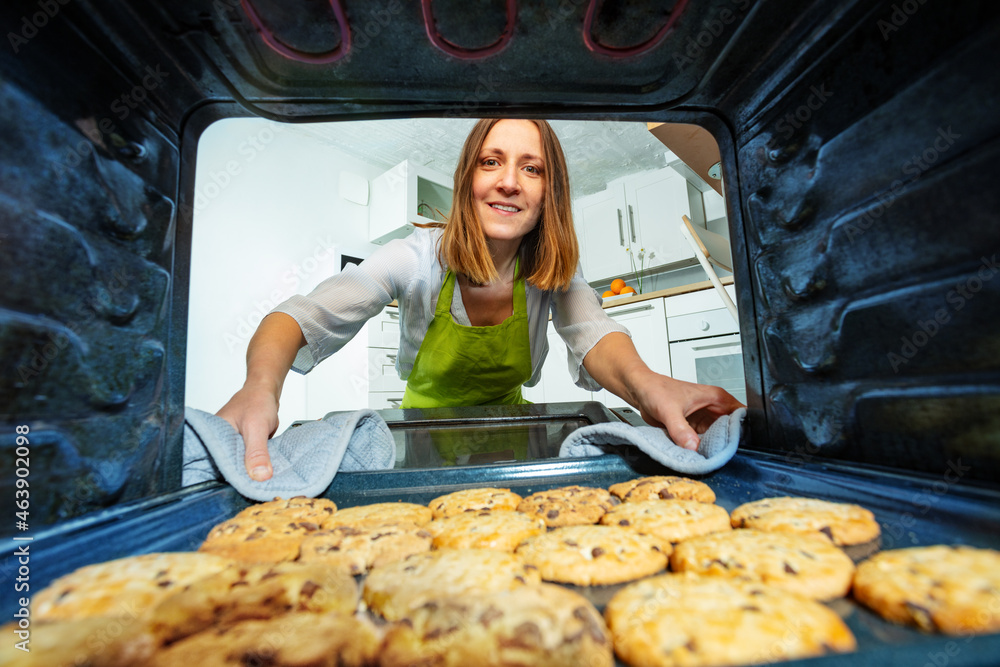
(385, 400)
(382, 374)
(701, 325)
(696, 302)
(383, 329)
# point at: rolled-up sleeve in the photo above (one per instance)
(579, 319)
(334, 312)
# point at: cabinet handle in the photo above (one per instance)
(393, 314)
(621, 230)
(396, 402)
(637, 309)
(631, 221)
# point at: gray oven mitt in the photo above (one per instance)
(718, 443)
(305, 458)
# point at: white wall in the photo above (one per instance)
(268, 223)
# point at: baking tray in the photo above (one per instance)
(912, 510)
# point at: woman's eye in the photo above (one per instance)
(533, 169)
(490, 162)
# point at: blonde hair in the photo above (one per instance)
(549, 253)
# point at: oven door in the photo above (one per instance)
(717, 361)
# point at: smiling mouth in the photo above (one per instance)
(505, 207)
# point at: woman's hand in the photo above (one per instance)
(253, 411)
(684, 409)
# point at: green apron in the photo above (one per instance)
(464, 365)
(460, 365)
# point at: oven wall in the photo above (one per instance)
(88, 179)
(867, 164)
(859, 141)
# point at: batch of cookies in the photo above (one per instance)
(485, 577)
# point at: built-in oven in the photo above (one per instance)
(705, 341)
(717, 360)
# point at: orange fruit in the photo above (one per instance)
(627, 290)
(607, 294)
(616, 285)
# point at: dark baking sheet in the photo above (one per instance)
(913, 510)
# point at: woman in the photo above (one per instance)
(474, 301)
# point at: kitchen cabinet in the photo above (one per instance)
(647, 322)
(600, 225)
(639, 211)
(656, 203)
(555, 384)
(405, 194)
(385, 388)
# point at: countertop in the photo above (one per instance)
(670, 291)
(658, 294)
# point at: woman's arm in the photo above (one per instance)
(304, 330)
(253, 410)
(683, 408)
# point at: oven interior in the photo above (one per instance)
(858, 144)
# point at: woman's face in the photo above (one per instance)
(508, 186)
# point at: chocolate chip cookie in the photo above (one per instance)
(501, 530)
(261, 540)
(803, 564)
(840, 523)
(669, 521)
(299, 508)
(682, 619)
(568, 505)
(530, 625)
(358, 548)
(669, 487)
(393, 590)
(955, 590)
(380, 513)
(125, 587)
(593, 555)
(474, 500)
(82, 642)
(253, 591)
(300, 639)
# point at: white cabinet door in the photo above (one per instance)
(555, 385)
(647, 322)
(638, 212)
(601, 224)
(405, 194)
(655, 203)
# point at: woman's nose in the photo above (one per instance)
(507, 181)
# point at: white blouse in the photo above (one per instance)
(407, 270)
